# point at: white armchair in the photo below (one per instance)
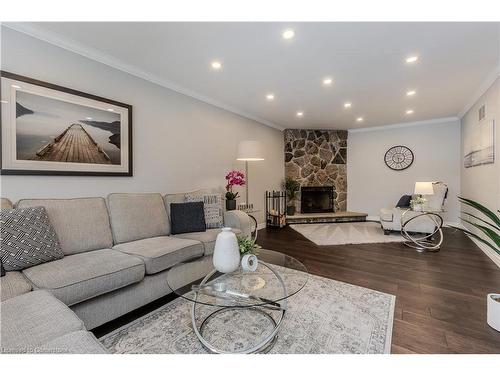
(390, 218)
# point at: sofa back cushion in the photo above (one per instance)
(5, 204)
(135, 216)
(81, 224)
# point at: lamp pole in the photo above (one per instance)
(246, 185)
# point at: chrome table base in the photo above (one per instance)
(266, 343)
(424, 242)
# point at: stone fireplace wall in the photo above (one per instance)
(318, 158)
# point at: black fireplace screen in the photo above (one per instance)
(315, 199)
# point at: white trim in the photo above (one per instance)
(373, 218)
(261, 226)
(405, 124)
(488, 251)
(483, 247)
(93, 54)
(487, 83)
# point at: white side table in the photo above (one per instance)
(423, 242)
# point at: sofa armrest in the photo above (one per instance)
(239, 220)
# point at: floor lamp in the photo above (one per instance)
(249, 151)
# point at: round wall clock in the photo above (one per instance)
(398, 158)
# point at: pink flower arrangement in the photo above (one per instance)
(234, 178)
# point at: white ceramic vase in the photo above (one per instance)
(226, 253)
(493, 311)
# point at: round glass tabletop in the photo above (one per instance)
(278, 276)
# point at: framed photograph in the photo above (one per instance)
(52, 130)
(479, 144)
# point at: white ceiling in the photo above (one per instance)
(365, 60)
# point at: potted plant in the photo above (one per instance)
(233, 178)
(291, 187)
(489, 226)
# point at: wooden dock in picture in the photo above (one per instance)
(73, 145)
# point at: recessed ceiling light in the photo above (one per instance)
(359, 119)
(409, 111)
(411, 59)
(16, 86)
(327, 81)
(411, 93)
(300, 114)
(111, 110)
(288, 34)
(4, 101)
(270, 96)
(347, 105)
(88, 118)
(216, 65)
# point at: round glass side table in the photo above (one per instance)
(422, 242)
(239, 312)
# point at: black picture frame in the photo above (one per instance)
(35, 172)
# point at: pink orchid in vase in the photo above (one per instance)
(233, 178)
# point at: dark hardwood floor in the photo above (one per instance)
(440, 297)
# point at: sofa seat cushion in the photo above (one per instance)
(13, 284)
(33, 319)
(386, 214)
(161, 253)
(79, 342)
(79, 277)
(207, 238)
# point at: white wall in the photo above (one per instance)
(180, 144)
(371, 185)
(482, 183)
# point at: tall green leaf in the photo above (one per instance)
(482, 220)
(490, 214)
(491, 234)
(496, 249)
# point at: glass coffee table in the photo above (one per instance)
(238, 312)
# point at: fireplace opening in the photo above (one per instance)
(315, 199)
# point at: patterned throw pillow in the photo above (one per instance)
(213, 206)
(27, 238)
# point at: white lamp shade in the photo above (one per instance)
(424, 188)
(250, 151)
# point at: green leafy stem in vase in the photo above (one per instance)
(247, 246)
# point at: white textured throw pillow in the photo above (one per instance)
(212, 204)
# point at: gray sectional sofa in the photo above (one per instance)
(117, 251)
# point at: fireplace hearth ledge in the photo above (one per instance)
(326, 217)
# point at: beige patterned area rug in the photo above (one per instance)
(346, 233)
(327, 316)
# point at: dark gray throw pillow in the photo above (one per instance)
(404, 201)
(27, 238)
(187, 217)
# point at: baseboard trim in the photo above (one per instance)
(488, 251)
(495, 258)
(261, 226)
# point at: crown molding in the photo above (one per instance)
(487, 83)
(103, 58)
(406, 124)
